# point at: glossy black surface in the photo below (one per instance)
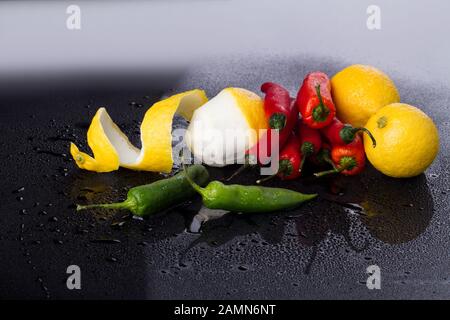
(320, 250)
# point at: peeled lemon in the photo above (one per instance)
(407, 140)
(111, 147)
(359, 91)
(226, 126)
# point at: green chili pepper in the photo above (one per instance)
(248, 199)
(154, 197)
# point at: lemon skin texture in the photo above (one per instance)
(407, 140)
(359, 91)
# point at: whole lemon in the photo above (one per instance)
(359, 91)
(407, 140)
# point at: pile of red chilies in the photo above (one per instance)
(317, 135)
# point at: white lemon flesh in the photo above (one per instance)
(224, 128)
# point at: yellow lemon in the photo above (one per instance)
(226, 126)
(111, 147)
(407, 140)
(359, 91)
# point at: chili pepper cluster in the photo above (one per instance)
(309, 131)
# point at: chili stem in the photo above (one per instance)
(325, 173)
(238, 171)
(374, 142)
(301, 164)
(117, 205)
(195, 186)
(321, 108)
(266, 179)
(332, 171)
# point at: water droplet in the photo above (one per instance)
(111, 259)
(106, 241)
(118, 224)
(21, 189)
(82, 231)
(243, 268)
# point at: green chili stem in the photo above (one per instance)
(321, 109)
(374, 142)
(195, 186)
(302, 163)
(329, 161)
(266, 178)
(238, 171)
(325, 173)
(347, 165)
(117, 205)
(277, 121)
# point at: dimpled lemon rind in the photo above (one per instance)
(407, 140)
(359, 91)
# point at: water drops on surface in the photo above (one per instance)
(21, 189)
(118, 224)
(243, 268)
(19, 198)
(105, 240)
(53, 219)
(23, 212)
(82, 231)
(111, 259)
(57, 241)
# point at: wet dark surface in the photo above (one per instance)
(320, 250)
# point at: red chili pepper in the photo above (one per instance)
(349, 159)
(281, 114)
(289, 161)
(339, 133)
(310, 142)
(314, 100)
